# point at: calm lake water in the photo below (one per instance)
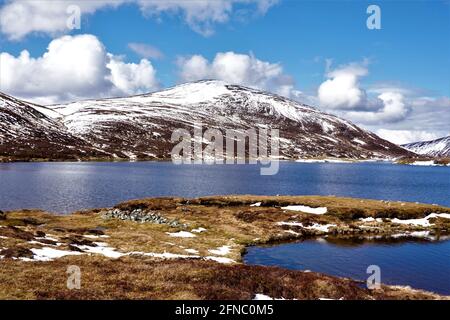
(421, 265)
(66, 187)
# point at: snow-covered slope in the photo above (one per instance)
(434, 148)
(141, 126)
(26, 133)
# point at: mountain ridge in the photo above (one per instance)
(434, 148)
(26, 133)
(140, 126)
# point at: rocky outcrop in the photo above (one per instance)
(143, 216)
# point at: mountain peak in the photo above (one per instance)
(140, 127)
(434, 148)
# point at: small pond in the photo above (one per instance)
(419, 264)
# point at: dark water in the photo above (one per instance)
(422, 265)
(65, 187)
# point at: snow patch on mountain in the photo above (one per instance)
(434, 148)
(149, 119)
(140, 127)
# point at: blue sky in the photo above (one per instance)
(307, 39)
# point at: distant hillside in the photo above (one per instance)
(140, 127)
(26, 133)
(434, 148)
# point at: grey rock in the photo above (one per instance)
(140, 215)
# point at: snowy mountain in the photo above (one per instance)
(434, 148)
(27, 133)
(140, 127)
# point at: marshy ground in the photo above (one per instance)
(177, 248)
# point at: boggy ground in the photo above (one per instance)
(176, 248)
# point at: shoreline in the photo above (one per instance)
(438, 162)
(207, 233)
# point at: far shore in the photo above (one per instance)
(420, 161)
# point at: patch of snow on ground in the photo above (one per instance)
(181, 234)
(43, 244)
(220, 259)
(198, 230)
(221, 251)
(423, 222)
(165, 255)
(371, 219)
(295, 224)
(90, 236)
(315, 226)
(423, 163)
(257, 204)
(292, 232)
(306, 209)
(47, 237)
(48, 254)
(260, 296)
(103, 249)
(320, 227)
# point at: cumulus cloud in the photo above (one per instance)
(427, 119)
(341, 90)
(394, 109)
(342, 93)
(406, 136)
(240, 69)
(73, 67)
(131, 78)
(21, 17)
(146, 50)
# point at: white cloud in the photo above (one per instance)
(240, 69)
(132, 78)
(201, 15)
(146, 50)
(342, 93)
(427, 119)
(394, 109)
(194, 68)
(341, 90)
(406, 136)
(431, 102)
(73, 67)
(21, 17)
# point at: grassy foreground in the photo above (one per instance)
(192, 248)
